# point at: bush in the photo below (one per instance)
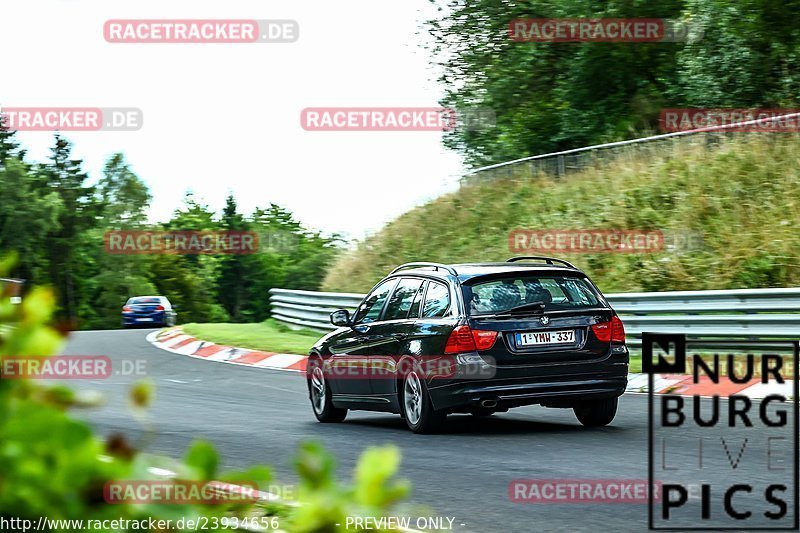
(53, 465)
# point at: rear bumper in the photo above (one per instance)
(558, 385)
(133, 320)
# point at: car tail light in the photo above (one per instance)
(465, 339)
(611, 331)
(617, 330)
(126, 309)
(160, 308)
(484, 340)
(602, 331)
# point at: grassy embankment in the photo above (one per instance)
(743, 197)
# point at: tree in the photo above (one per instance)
(125, 197)
(186, 279)
(556, 96)
(291, 257)
(28, 213)
(234, 269)
(749, 55)
(55, 222)
(78, 212)
(9, 147)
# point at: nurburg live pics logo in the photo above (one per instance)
(724, 461)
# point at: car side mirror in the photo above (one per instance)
(340, 317)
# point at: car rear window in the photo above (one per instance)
(144, 301)
(556, 292)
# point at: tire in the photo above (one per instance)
(319, 392)
(596, 413)
(420, 416)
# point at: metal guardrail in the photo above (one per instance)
(309, 308)
(751, 314)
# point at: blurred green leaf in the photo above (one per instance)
(202, 455)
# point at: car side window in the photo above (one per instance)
(400, 302)
(370, 309)
(437, 301)
(417, 302)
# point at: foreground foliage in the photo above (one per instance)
(54, 465)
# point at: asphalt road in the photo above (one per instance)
(259, 416)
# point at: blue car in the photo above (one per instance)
(148, 311)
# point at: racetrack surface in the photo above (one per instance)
(257, 415)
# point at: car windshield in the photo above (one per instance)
(150, 300)
(524, 292)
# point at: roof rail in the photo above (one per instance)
(548, 260)
(435, 266)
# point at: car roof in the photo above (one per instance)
(467, 271)
(472, 270)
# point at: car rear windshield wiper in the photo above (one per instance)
(537, 307)
(533, 308)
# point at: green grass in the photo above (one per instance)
(272, 336)
(743, 196)
(267, 336)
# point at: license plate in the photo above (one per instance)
(536, 338)
(144, 319)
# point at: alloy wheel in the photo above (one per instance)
(318, 390)
(412, 398)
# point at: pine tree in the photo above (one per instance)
(78, 213)
(231, 279)
(9, 146)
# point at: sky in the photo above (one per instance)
(220, 118)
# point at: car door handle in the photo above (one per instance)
(399, 336)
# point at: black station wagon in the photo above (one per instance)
(433, 339)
